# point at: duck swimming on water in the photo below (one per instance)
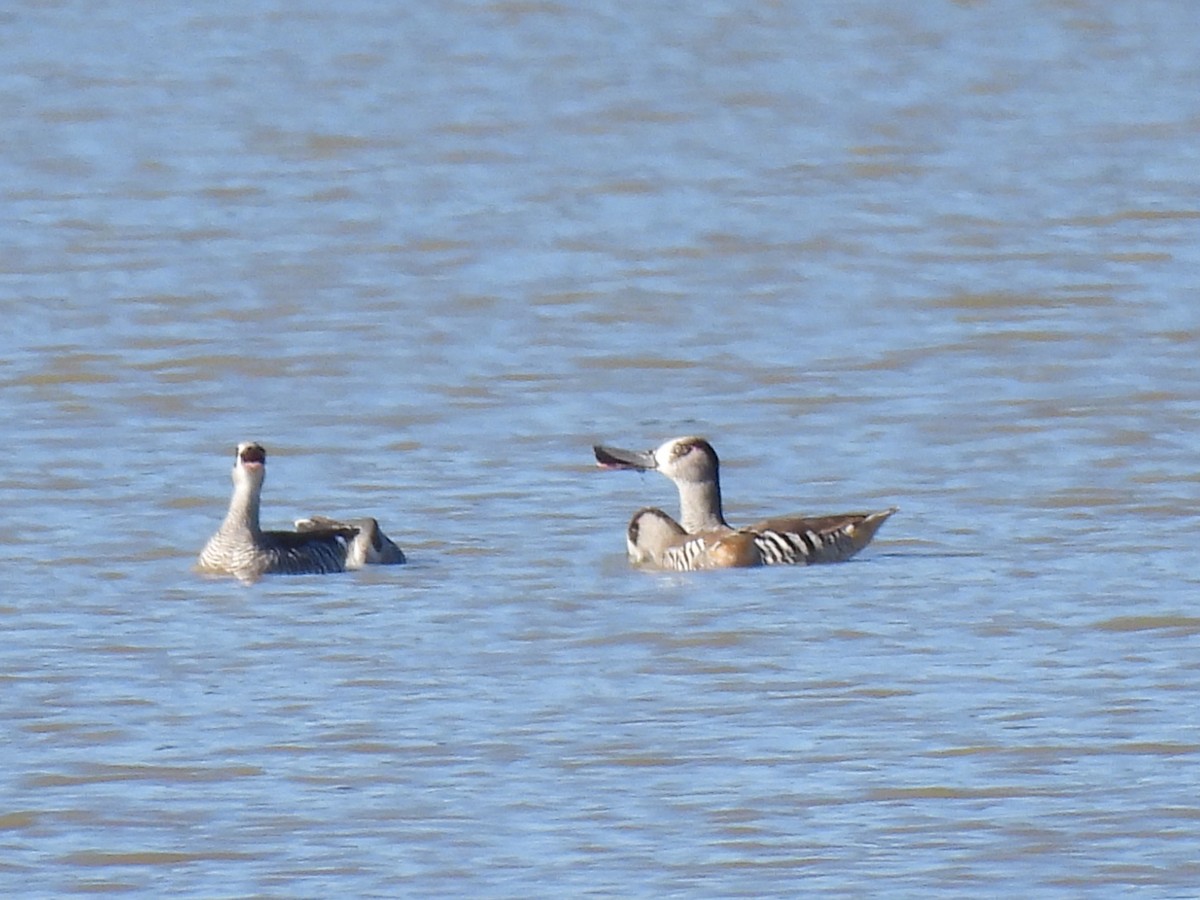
(702, 539)
(319, 545)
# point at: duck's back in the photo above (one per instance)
(316, 552)
(804, 540)
(307, 552)
(368, 546)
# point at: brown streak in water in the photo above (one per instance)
(636, 362)
(1135, 215)
(942, 792)
(164, 774)
(15, 821)
(148, 857)
(1121, 624)
(1007, 300)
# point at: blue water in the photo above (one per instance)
(942, 257)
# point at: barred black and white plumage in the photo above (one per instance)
(825, 540)
(686, 557)
(655, 539)
(776, 548)
(276, 553)
(705, 540)
(319, 545)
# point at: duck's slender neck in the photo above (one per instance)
(243, 506)
(700, 506)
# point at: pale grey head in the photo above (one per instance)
(249, 464)
(691, 463)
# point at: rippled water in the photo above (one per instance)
(942, 256)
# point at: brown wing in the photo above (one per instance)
(822, 524)
(817, 538)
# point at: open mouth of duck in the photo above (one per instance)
(253, 455)
(616, 458)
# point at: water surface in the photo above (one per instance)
(942, 257)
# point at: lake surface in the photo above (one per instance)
(943, 256)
